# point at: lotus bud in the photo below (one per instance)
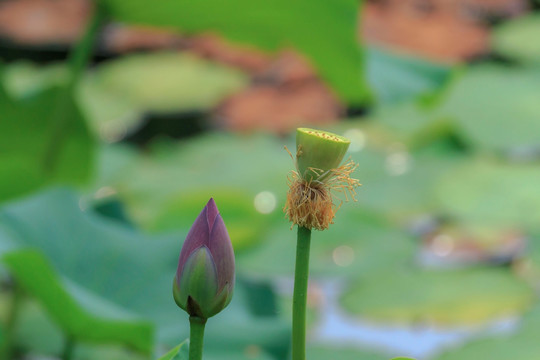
(204, 281)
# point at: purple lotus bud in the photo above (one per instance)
(204, 281)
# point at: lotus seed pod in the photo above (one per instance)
(318, 152)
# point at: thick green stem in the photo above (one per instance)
(78, 61)
(196, 337)
(69, 348)
(9, 335)
(301, 274)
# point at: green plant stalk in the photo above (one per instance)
(301, 275)
(81, 54)
(78, 61)
(9, 335)
(69, 348)
(196, 337)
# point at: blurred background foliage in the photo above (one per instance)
(103, 171)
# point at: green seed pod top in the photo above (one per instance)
(317, 152)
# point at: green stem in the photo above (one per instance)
(69, 348)
(301, 274)
(9, 336)
(78, 61)
(196, 337)
(81, 54)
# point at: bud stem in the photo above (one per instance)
(69, 348)
(196, 337)
(7, 351)
(301, 274)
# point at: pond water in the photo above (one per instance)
(422, 341)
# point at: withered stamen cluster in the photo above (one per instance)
(310, 203)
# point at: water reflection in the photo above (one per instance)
(423, 342)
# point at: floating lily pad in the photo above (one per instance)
(492, 192)
(518, 39)
(398, 77)
(522, 345)
(385, 175)
(118, 92)
(165, 82)
(495, 108)
(441, 297)
(411, 125)
(355, 244)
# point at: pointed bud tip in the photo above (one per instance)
(211, 213)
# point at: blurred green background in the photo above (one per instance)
(120, 118)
